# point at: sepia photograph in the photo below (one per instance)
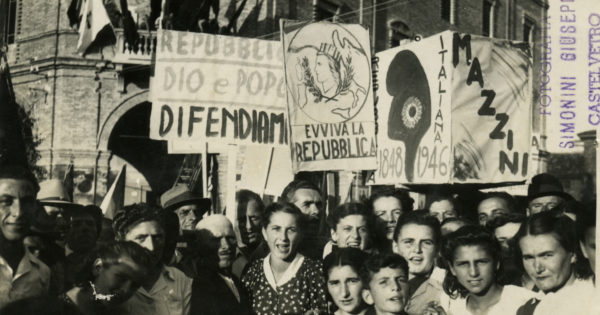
(299, 157)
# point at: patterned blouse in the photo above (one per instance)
(304, 289)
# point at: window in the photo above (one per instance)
(325, 10)
(446, 7)
(528, 29)
(399, 34)
(487, 19)
(12, 22)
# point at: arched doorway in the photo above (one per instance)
(130, 141)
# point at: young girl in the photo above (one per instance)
(341, 269)
(117, 273)
(473, 256)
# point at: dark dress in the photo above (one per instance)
(303, 292)
(212, 296)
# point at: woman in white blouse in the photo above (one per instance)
(473, 257)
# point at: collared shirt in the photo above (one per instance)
(300, 289)
(289, 273)
(170, 295)
(31, 279)
(576, 298)
(511, 298)
(429, 291)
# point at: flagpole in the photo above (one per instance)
(360, 12)
(374, 27)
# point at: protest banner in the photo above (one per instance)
(217, 88)
(413, 112)
(329, 96)
(491, 109)
(454, 108)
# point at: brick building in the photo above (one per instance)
(89, 109)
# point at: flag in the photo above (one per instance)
(115, 197)
(94, 19)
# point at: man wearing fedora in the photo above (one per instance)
(544, 193)
(189, 206)
(55, 199)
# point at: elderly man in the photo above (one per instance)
(216, 290)
(307, 197)
(165, 290)
(189, 206)
(544, 193)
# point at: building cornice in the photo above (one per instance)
(24, 39)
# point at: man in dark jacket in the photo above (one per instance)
(216, 290)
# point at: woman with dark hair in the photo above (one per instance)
(118, 272)
(548, 246)
(474, 259)
(285, 282)
(342, 274)
(351, 225)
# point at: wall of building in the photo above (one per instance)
(73, 97)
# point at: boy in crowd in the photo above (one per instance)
(417, 240)
(385, 277)
(165, 290)
(493, 205)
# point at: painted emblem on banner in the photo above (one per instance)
(410, 110)
(330, 75)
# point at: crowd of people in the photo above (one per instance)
(293, 256)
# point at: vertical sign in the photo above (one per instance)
(329, 96)
(491, 99)
(413, 112)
